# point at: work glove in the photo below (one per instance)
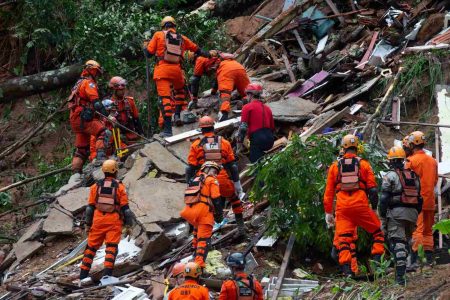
(329, 219)
(112, 119)
(238, 189)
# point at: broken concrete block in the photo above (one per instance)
(59, 221)
(74, 182)
(75, 200)
(181, 150)
(129, 162)
(140, 167)
(293, 109)
(156, 199)
(9, 259)
(165, 161)
(98, 174)
(157, 244)
(26, 249)
(32, 232)
(149, 227)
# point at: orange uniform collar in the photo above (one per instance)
(190, 281)
(209, 134)
(349, 155)
(419, 152)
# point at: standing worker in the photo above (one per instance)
(84, 101)
(352, 180)
(190, 289)
(242, 286)
(400, 204)
(426, 168)
(215, 148)
(256, 122)
(200, 197)
(126, 111)
(168, 46)
(108, 205)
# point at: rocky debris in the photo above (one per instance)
(163, 160)
(75, 200)
(181, 150)
(74, 182)
(155, 245)
(59, 221)
(139, 169)
(293, 109)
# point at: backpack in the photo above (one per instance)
(173, 42)
(409, 194)
(106, 200)
(212, 147)
(245, 288)
(193, 193)
(349, 177)
(74, 98)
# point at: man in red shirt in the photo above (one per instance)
(257, 122)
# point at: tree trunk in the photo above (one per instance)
(40, 82)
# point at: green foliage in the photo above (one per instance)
(5, 201)
(379, 269)
(294, 182)
(443, 226)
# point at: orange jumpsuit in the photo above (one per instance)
(126, 113)
(241, 283)
(231, 75)
(203, 66)
(189, 290)
(354, 263)
(168, 75)
(352, 210)
(106, 227)
(85, 94)
(196, 158)
(200, 215)
(426, 167)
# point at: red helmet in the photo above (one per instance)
(178, 269)
(254, 89)
(206, 122)
(117, 83)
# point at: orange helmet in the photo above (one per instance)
(178, 269)
(349, 140)
(192, 270)
(206, 122)
(110, 166)
(405, 142)
(210, 164)
(396, 152)
(117, 83)
(93, 65)
(416, 138)
(167, 19)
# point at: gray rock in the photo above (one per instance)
(138, 170)
(32, 232)
(293, 109)
(74, 182)
(154, 246)
(75, 201)
(164, 161)
(181, 150)
(59, 221)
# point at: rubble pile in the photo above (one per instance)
(318, 61)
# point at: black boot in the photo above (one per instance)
(346, 270)
(83, 274)
(429, 257)
(413, 263)
(107, 272)
(377, 258)
(167, 127)
(240, 225)
(400, 277)
(218, 210)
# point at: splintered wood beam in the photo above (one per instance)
(282, 272)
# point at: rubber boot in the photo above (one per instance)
(413, 263)
(346, 270)
(167, 127)
(107, 272)
(240, 225)
(177, 118)
(218, 210)
(83, 274)
(429, 257)
(400, 272)
(334, 254)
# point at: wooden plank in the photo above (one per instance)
(188, 134)
(282, 272)
(300, 41)
(335, 10)
(271, 53)
(396, 111)
(312, 82)
(271, 28)
(362, 89)
(366, 56)
(327, 123)
(288, 66)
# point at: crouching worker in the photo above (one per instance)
(190, 289)
(242, 286)
(177, 277)
(106, 214)
(200, 197)
(400, 205)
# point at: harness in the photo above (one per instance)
(173, 47)
(106, 200)
(245, 288)
(74, 99)
(193, 193)
(126, 109)
(212, 148)
(213, 64)
(409, 196)
(349, 177)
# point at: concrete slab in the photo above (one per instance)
(156, 199)
(154, 246)
(293, 109)
(32, 232)
(59, 221)
(75, 201)
(148, 226)
(164, 161)
(140, 167)
(26, 249)
(74, 182)
(181, 150)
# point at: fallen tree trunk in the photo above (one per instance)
(40, 82)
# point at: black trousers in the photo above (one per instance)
(260, 141)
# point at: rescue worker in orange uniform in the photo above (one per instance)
(107, 214)
(190, 289)
(352, 180)
(215, 148)
(200, 195)
(84, 101)
(426, 168)
(400, 204)
(242, 286)
(202, 66)
(177, 278)
(125, 110)
(168, 46)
